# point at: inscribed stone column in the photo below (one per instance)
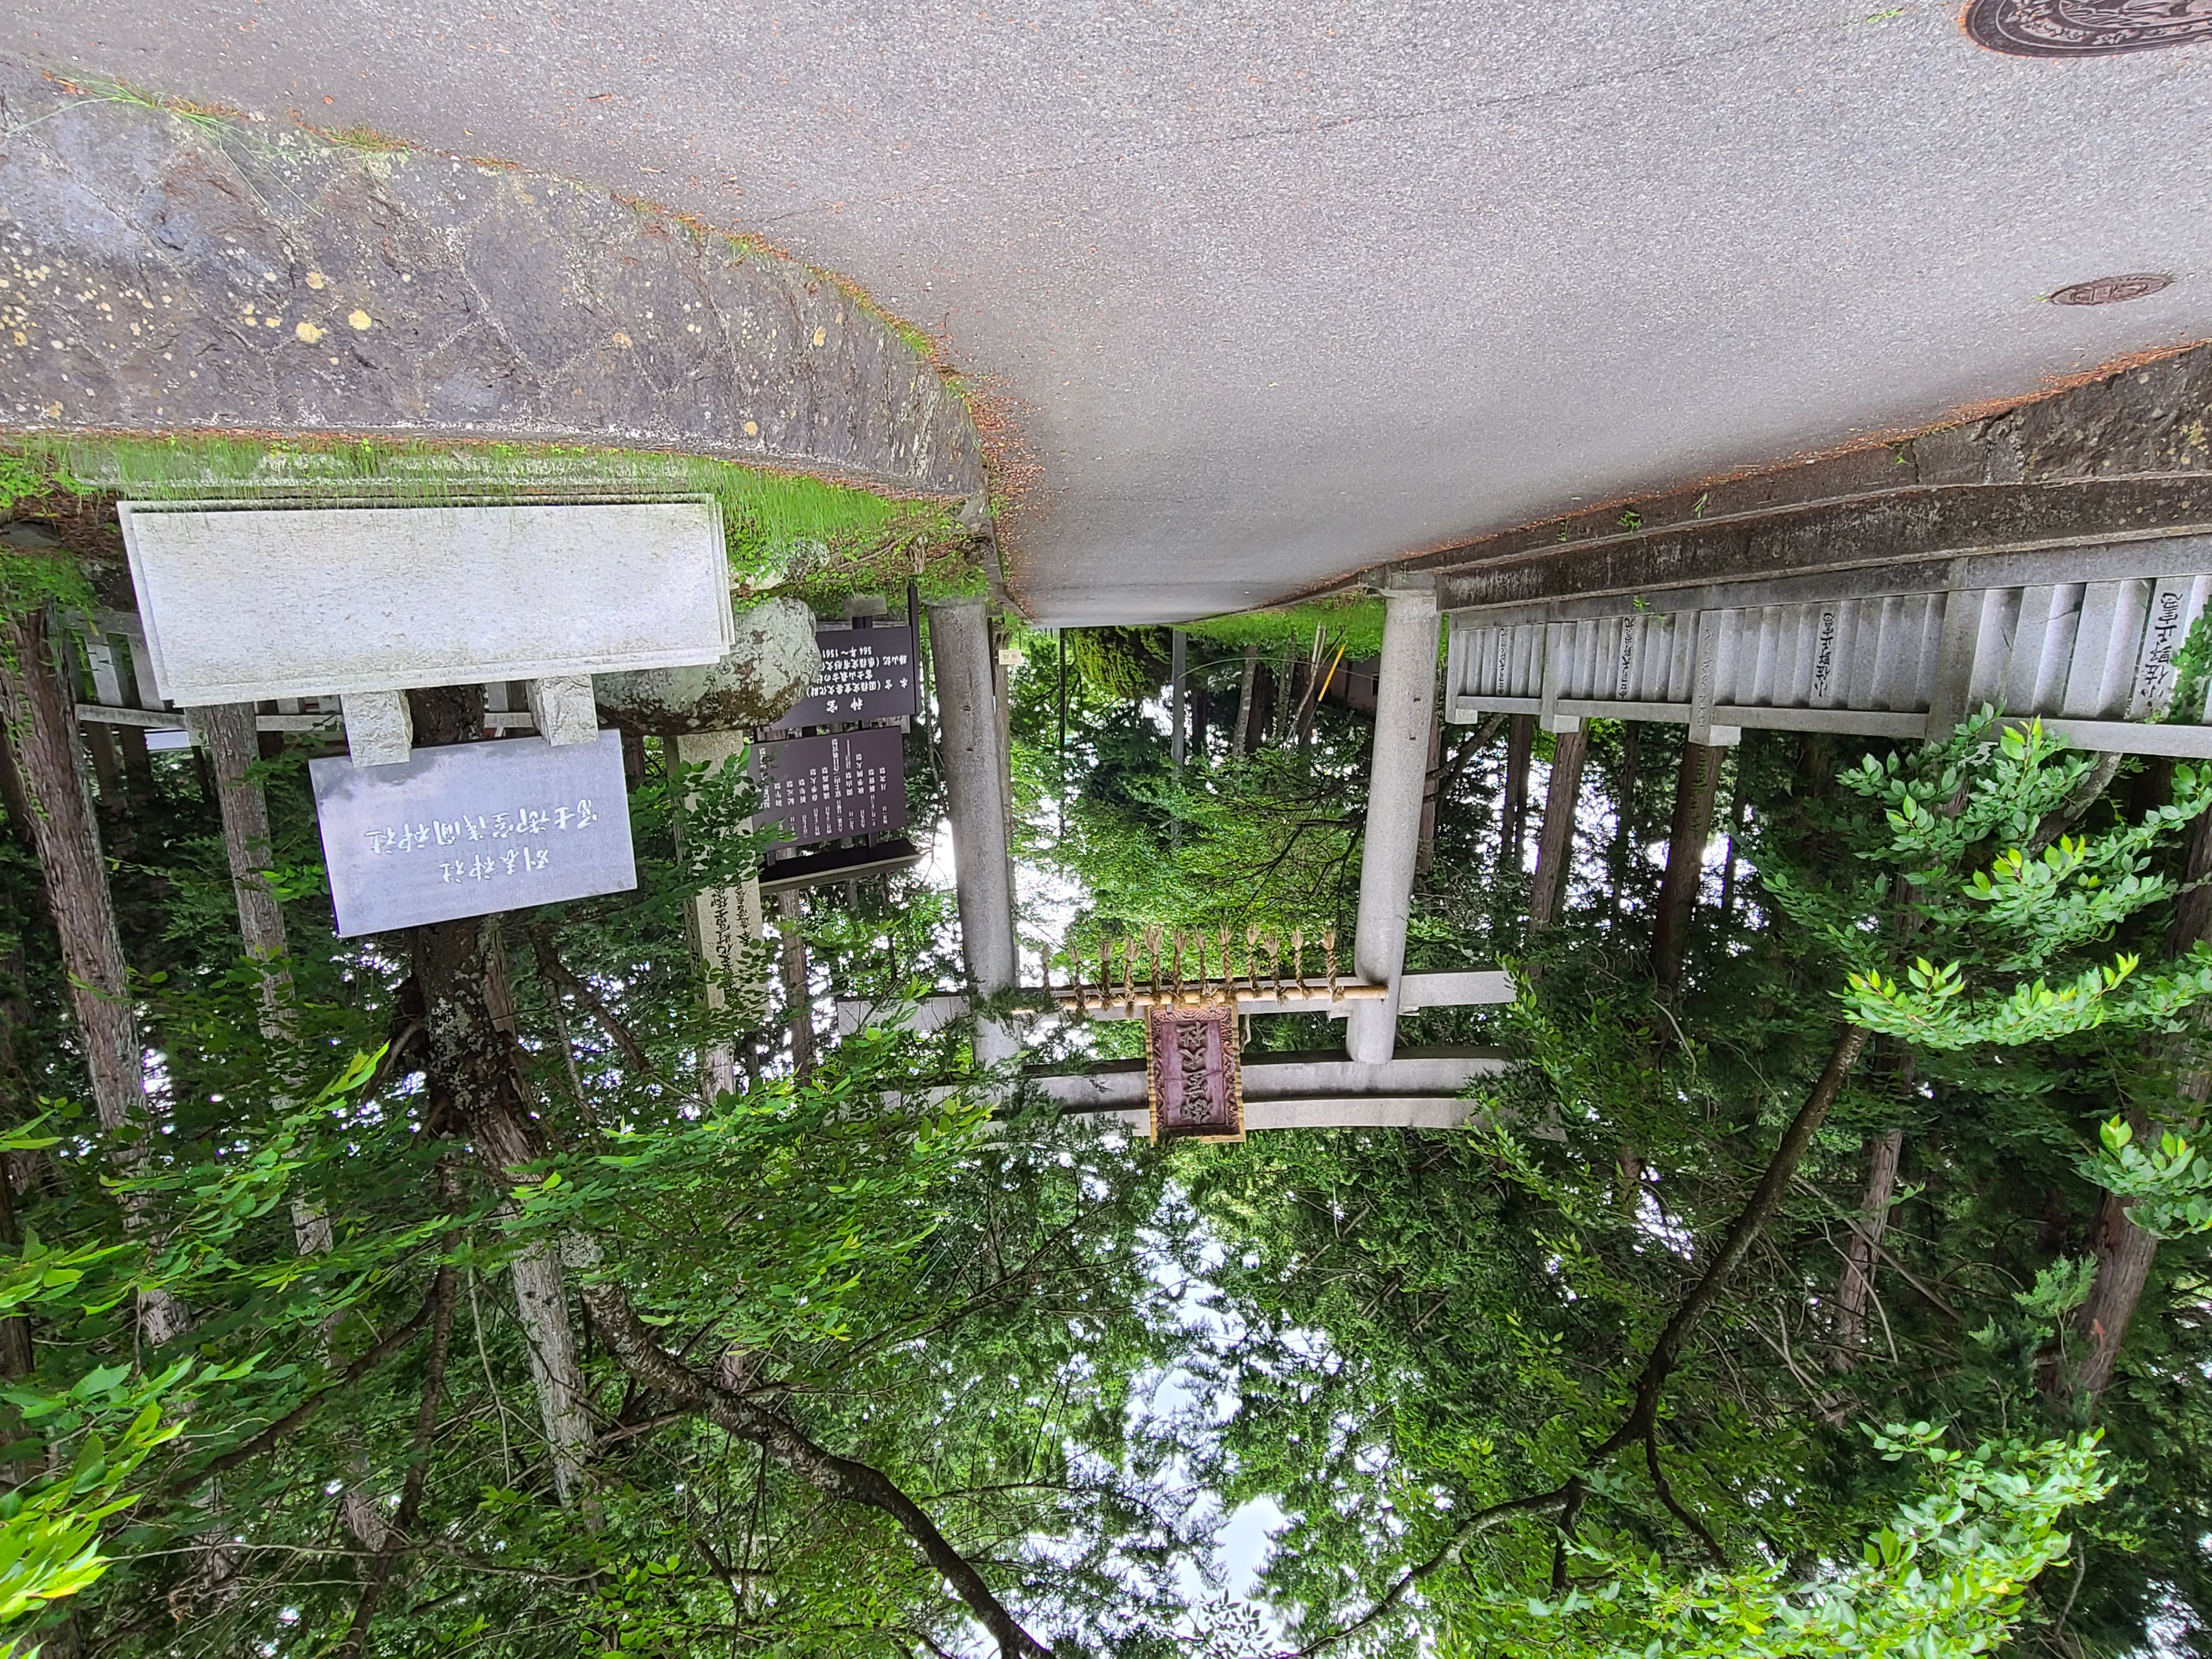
(1405, 699)
(980, 796)
(727, 923)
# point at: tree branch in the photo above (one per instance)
(558, 976)
(1742, 1232)
(290, 1422)
(1467, 1530)
(1644, 1413)
(1570, 1513)
(418, 1467)
(1666, 1497)
(2063, 817)
(632, 1345)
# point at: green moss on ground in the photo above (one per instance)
(786, 531)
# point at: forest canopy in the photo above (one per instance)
(1828, 1281)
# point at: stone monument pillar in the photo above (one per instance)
(727, 923)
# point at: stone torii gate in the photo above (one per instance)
(1372, 1084)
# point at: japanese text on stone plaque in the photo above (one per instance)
(473, 828)
(469, 864)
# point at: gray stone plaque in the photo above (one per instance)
(471, 829)
(818, 789)
(250, 603)
(867, 674)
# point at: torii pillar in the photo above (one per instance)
(1405, 703)
(980, 802)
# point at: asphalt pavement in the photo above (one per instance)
(1266, 293)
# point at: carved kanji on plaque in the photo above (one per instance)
(1196, 1086)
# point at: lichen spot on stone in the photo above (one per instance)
(622, 336)
(316, 279)
(308, 332)
(361, 321)
(272, 322)
(752, 428)
(821, 335)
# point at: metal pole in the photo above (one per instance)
(1405, 699)
(1061, 752)
(978, 792)
(1175, 648)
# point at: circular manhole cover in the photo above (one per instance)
(2087, 28)
(2111, 291)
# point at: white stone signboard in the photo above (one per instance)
(250, 603)
(473, 827)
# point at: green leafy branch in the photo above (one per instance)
(2171, 1182)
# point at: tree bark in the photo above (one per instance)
(798, 992)
(1555, 849)
(1240, 737)
(474, 1091)
(2193, 911)
(1743, 1233)
(1857, 1286)
(227, 733)
(137, 767)
(1432, 785)
(1739, 801)
(632, 1343)
(13, 798)
(107, 764)
(1513, 816)
(15, 1360)
(1694, 786)
(42, 731)
(1266, 697)
(2123, 1253)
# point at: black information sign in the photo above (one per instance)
(867, 674)
(818, 789)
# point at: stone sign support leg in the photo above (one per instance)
(1405, 699)
(1555, 849)
(977, 784)
(1694, 786)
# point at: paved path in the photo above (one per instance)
(1278, 290)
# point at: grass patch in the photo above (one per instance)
(1356, 624)
(786, 531)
